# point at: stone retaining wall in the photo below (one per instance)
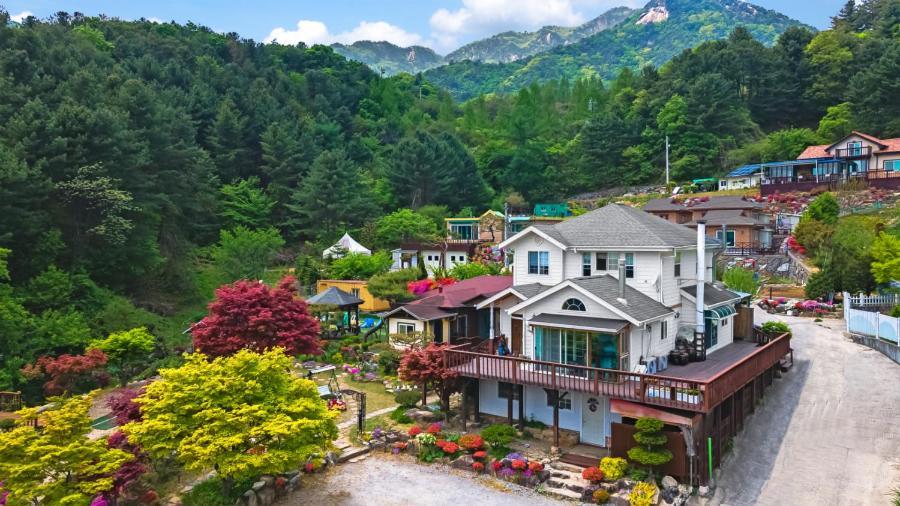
(891, 350)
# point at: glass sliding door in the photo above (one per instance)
(576, 347)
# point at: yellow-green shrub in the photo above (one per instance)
(642, 494)
(613, 467)
(600, 496)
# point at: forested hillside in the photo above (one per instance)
(648, 36)
(389, 58)
(126, 147)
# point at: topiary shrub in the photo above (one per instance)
(651, 450)
(389, 361)
(613, 467)
(600, 496)
(408, 398)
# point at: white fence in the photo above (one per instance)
(871, 323)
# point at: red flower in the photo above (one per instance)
(450, 448)
(414, 431)
(496, 465)
(440, 443)
(471, 442)
(519, 465)
(535, 467)
(478, 466)
(592, 474)
(434, 428)
(309, 467)
(480, 454)
(280, 482)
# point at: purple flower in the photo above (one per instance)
(100, 501)
(395, 450)
(507, 472)
(527, 473)
(377, 432)
(515, 456)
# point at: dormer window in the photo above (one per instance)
(573, 305)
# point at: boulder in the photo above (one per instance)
(619, 499)
(422, 415)
(266, 496)
(268, 480)
(703, 491)
(249, 498)
(259, 485)
(294, 483)
(463, 462)
(669, 483)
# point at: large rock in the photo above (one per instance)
(421, 415)
(463, 462)
(268, 480)
(259, 485)
(266, 496)
(250, 498)
(669, 483)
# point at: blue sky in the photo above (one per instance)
(441, 24)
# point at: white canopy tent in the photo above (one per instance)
(346, 244)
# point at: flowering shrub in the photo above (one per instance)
(592, 474)
(600, 496)
(434, 428)
(613, 468)
(519, 465)
(471, 442)
(477, 467)
(642, 494)
(426, 439)
(535, 467)
(309, 467)
(480, 454)
(496, 465)
(100, 501)
(280, 482)
(399, 446)
(414, 431)
(450, 448)
(421, 286)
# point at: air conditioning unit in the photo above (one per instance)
(651, 366)
(662, 363)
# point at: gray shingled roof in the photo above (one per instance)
(584, 322)
(726, 217)
(727, 202)
(712, 295)
(334, 296)
(623, 227)
(663, 205)
(530, 290)
(638, 306)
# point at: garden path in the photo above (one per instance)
(383, 480)
(827, 433)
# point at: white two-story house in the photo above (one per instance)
(600, 309)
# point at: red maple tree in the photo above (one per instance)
(425, 366)
(249, 314)
(74, 374)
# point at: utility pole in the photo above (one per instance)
(667, 163)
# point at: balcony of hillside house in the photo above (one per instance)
(853, 152)
(696, 386)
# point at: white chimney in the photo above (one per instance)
(622, 299)
(700, 329)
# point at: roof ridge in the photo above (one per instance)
(633, 218)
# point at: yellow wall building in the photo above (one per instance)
(358, 288)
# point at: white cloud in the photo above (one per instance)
(18, 18)
(316, 32)
(154, 19)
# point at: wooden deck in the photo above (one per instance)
(695, 387)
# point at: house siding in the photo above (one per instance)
(528, 243)
(392, 324)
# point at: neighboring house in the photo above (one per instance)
(856, 157)
(739, 221)
(485, 228)
(448, 313)
(596, 307)
(345, 244)
(432, 256)
(357, 288)
(747, 176)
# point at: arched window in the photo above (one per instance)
(573, 305)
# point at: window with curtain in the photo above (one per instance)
(538, 262)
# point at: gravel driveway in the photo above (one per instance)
(827, 433)
(387, 480)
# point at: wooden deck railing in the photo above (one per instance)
(659, 390)
(10, 401)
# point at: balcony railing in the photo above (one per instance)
(10, 401)
(882, 174)
(658, 390)
(860, 152)
(749, 248)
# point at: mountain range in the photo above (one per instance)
(652, 35)
(619, 38)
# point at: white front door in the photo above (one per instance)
(595, 420)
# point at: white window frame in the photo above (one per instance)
(540, 268)
(406, 328)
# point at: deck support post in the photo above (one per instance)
(477, 400)
(464, 408)
(509, 404)
(556, 418)
(521, 389)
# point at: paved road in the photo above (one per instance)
(828, 432)
(394, 481)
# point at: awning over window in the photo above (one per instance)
(634, 410)
(579, 323)
(719, 312)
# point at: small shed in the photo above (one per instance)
(345, 244)
(338, 309)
